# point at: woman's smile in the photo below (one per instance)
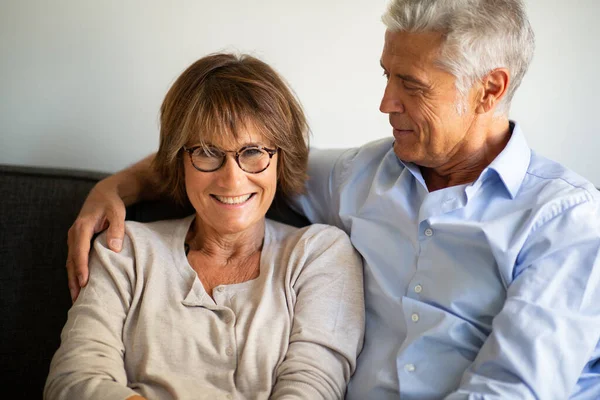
(233, 200)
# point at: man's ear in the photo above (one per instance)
(494, 86)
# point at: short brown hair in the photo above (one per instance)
(217, 96)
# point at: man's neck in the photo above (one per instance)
(466, 166)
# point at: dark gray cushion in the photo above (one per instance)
(38, 207)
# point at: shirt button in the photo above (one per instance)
(418, 289)
(220, 289)
(428, 232)
(229, 351)
(410, 368)
(415, 317)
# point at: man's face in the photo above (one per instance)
(423, 103)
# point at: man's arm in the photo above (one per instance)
(549, 326)
(105, 208)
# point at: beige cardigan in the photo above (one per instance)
(144, 323)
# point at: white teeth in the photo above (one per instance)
(233, 200)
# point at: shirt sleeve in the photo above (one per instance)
(329, 317)
(549, 326)
(326, 169)
(89, 362)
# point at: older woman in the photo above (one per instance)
(223, 304)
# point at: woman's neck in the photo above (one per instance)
(225, 247)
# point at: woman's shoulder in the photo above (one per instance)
(315, 233)
(162, 227)
(313, 250)
(165, 226)
(152, 234)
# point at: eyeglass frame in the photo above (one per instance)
(270, 152)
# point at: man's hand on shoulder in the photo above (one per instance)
(105, 208)
(102, 209)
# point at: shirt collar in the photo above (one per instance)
(512, 162)
(510, 165)
(413, 168)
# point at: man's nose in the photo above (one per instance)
(391, 101)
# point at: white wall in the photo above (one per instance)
(81, 82)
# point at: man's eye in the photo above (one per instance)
(386, 75)
(410, 87)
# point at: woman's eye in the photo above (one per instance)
(206, 152)
(252, 153)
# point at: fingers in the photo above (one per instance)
(103, 208)
(79, 239)
(116, 228)
(74, 288)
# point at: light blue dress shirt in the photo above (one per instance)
(488, 290)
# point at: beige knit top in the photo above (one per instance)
(144, 323)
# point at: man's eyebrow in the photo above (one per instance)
(408, 78)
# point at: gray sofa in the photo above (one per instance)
(38, 205)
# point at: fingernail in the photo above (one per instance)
(72, 292)
(115, 244)
(80, 279)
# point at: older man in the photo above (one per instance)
(482, 258)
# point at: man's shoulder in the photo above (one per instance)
(375, 150)
(368, 152)
(553, 179)
(364, 161)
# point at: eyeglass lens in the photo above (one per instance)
(250, 159)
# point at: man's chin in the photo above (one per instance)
(403, 153)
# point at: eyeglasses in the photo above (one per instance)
(251, 159)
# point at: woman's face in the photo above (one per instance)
(230, 200)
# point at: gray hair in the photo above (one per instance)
(480, 36)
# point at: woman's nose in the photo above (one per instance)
(230, 174)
